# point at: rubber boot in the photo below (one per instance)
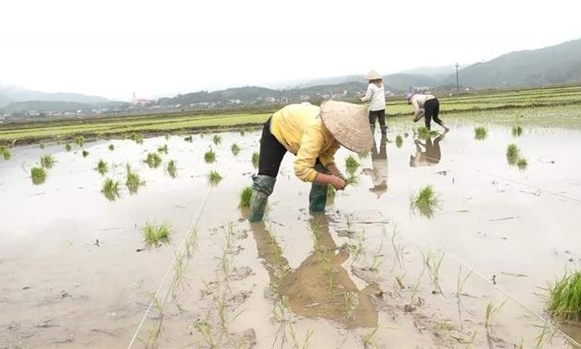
(261, 190)
(318, 194)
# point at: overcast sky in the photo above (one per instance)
(156, 48)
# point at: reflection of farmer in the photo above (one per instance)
(314, 135)
(430, 154)
(378, 172)
(318, 288)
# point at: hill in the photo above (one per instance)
(559, 64)
(16, 94)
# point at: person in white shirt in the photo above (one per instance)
(376, 96)
(426, 105)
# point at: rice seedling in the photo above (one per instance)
(235, 149)
(426, 201)
(255, 159)
(153, 160)
(68, 147)
(398, 141)
(512, 153)
(521, 163)
(351, 303)
(38, 175)
(41, 145)
(136, 137)
(245, 196)
(210, 156)
(102, 167)
(188, 139)
(564, 298)
(133, 181)
(172, 169)
(352, 180)
(460, 282)
(5, 154)
(162, 149)
(214, 178)
(480, 133)
(242, 132)
(351, 163)
(80, 141)
(217, 139)
(516, 130)
(156, 234)
(423, 132)
(491, 311)
(46, 161)
(110, 189)
(85, 153)
(434, 263)
(369, 339)
(111, 147)
(331, 192)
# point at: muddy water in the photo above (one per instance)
(70, 275)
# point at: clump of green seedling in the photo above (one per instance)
(133, 181)
(480, 133)
(398, 141)
(210, 156)
(242, 132)
(516, 130)
(46, 161)
(38, 175)
(80, 141)
(352, 180)
(162, 149)
(217, 139)
(85, 153)
(110, 189)
(564, 299)
(351, 164)
(156, 234)
(426, 201)
(136, 137)
(521, 163)
(255, 159)
(153, 160)
(512, 153)
(235, 149)
(172, 169)
(41, 145)
(68, 147)
(111, 147)
(331, 192)
(245, 196)
(102, 167)
(214, 178)
(424, 133)
(188, 139)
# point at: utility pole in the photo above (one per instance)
(457, 85)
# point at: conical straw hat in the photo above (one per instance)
(349, 124)
(373, 75)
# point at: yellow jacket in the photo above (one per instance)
(301, 131)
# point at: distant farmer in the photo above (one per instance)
(428, 106)
(313, 134)
(376, 96)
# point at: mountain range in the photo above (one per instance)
(558, 64)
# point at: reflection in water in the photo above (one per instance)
(320, 287)
(430, 155)
(379, 165)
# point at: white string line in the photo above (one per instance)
(193, 224)
(483, 277)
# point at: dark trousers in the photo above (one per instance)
(432, 108)
(378, 115)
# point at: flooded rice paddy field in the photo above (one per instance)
(372, 271)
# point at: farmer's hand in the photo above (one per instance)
(338, 183)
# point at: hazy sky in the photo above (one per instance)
(155, 48)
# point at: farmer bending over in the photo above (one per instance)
(314, 135)
(427, 105)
